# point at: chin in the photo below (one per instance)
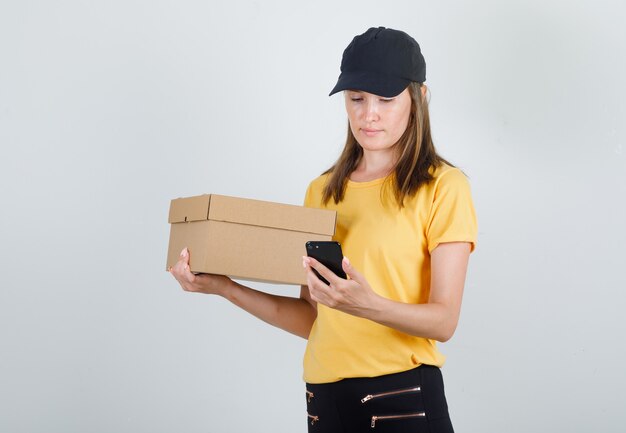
(374, 146)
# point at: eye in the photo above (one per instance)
(356, 98)
(386, 99)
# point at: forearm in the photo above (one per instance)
(438, 318)
(433, 320)
(294, 315)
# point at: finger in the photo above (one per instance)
(319, 267)
(178, 267)
(312, 279)
(184, 260)
(181, 270)
(306, 264)
(350, 271)
(319, 290)
(323, 271)
(310, 275)
(184, 256)
(333, 280)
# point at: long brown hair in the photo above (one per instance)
(415, 148)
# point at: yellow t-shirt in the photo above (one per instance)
(391, 247)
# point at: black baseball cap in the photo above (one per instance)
(381, 61)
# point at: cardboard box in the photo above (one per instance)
(246, 239)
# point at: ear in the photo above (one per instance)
(424, 90)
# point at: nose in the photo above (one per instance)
(371, 110)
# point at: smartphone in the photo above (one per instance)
(327, 253)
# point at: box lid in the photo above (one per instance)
(189, 209)
(252, 212)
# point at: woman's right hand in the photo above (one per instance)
(201, 283)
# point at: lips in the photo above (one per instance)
(370, 132)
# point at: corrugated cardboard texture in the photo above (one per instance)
(246, 239)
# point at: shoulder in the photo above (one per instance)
(314, 192)
(447, 173)
(446, 176)
(319, 182)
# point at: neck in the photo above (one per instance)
(374, 165)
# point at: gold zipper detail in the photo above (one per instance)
(384, 417)
(386, 394)
(313, 418)
(309, 396)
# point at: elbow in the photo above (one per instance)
(443, 338)
(445, 332)
(445, 324)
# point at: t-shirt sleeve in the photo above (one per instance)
(452, 216)
(313, 195)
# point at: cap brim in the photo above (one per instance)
(371, 82)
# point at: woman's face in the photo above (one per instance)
(377, 122)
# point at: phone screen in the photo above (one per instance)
(327, 253)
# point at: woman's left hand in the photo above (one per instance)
(353, 296)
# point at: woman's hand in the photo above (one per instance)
(436, 319)
(295, 315)
(202, 283)
(353, 296)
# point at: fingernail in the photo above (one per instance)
(182, 253)
(347, 260)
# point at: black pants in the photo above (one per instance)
(411, 401)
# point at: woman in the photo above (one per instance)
(407, 222)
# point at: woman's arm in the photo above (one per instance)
(294, 315)
(437, 319)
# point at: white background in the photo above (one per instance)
(109, 109)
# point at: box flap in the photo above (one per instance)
(268, 214)
(189, 209)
